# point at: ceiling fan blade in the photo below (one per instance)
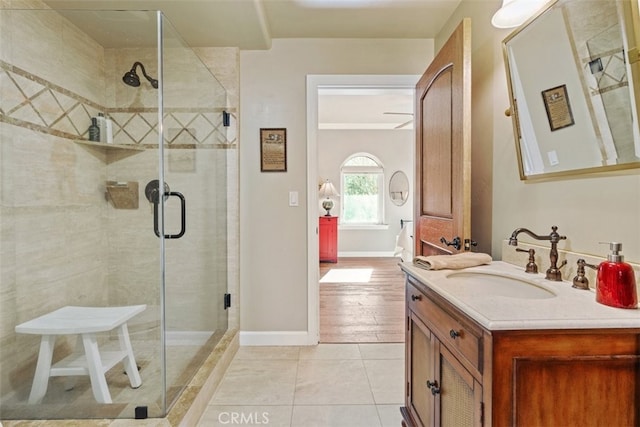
(402, 114)
(400, 126)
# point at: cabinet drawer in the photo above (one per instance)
(456, 335)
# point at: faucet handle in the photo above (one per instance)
(531, 267)
(580, 281)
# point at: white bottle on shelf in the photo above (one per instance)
(102, 125)
(108, 130)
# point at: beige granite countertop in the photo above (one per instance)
(552, 305)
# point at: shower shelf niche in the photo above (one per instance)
(111, 152)
(108, 147)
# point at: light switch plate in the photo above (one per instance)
(293, 198)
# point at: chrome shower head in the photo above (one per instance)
(131, 78)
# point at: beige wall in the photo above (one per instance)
(587, 210)
(273, 243)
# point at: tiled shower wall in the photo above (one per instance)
(30, 101)
(606, 80)
(50, 208)
(53, 209)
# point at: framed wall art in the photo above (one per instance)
(556, 103)
(273, 149)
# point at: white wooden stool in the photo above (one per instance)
(85, 322)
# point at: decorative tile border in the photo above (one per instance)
(29, 101)
(612, 75)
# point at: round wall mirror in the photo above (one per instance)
(399, 188)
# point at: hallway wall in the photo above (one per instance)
(273, 244)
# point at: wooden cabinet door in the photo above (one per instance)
(460, 394)
(420, 366)
(441, 392)
(443, 148)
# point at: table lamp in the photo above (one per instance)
(327, 190)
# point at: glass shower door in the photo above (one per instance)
(195, 226)
(76, 230)
(81, 224)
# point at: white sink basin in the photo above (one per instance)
(495, 283)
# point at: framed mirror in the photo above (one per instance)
(399, 188)
(574, 78)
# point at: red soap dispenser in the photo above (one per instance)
(616, 281)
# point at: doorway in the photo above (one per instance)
(362, 301)
(348, 257)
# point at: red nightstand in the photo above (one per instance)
(328, 239)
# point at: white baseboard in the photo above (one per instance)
(276, 338)
(197, 338)
(380, 254)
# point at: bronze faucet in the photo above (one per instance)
(553, 273)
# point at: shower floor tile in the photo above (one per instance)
(79, 402)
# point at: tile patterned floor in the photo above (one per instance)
(328, 385)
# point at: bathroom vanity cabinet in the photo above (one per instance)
(443, 356)
(460, 373)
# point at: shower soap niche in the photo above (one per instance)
(123, 195)
(109, 147)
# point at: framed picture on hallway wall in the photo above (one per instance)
(273, 149)
(556, 103)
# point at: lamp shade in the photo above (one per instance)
(514, 13)
(328, 190)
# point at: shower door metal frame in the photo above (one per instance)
(160, 216)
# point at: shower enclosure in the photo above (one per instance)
(136, 218)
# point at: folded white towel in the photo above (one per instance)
(452, 262)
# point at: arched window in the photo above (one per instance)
(362, 179)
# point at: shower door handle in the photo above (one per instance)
(183, 216)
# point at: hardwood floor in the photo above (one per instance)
(354, 311)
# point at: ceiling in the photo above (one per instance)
(252, 24)
(365, 108)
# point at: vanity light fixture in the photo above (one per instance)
(327, 191)
(514, 13)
